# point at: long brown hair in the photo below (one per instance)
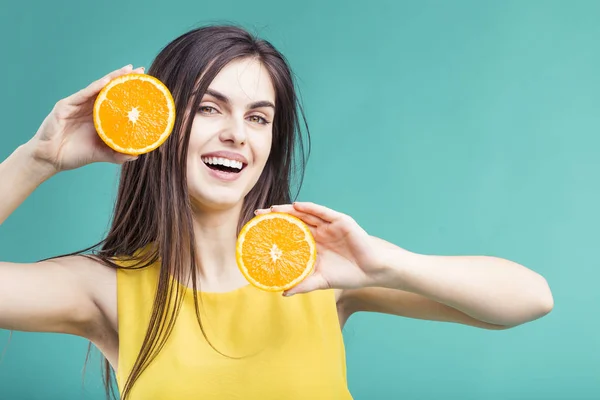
(153, 208)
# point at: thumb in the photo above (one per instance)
(311, 283)
(123, 158)
(109, 155)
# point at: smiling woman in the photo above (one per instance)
(233, 125)
(162, 297)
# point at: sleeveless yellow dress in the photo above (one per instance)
(274, 347)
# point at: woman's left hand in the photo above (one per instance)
(347, 256)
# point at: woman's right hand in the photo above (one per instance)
(67, 138)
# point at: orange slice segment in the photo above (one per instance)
(275, 251)
(134, 113)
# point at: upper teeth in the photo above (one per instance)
(223, 161)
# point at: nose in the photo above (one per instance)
(234, 132)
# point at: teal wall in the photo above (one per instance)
(447, 127)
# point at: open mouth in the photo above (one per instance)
(223, 164)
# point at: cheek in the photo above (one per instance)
(196, 136)
(263, 148)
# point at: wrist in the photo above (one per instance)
(32, 163)
(397, 267)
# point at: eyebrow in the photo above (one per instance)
(221, 97)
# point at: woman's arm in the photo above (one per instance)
(483, 291)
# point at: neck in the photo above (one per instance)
(216, 234)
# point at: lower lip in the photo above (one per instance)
(222, 175)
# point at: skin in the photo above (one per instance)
(77, 296)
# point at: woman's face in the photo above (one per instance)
(231, 136)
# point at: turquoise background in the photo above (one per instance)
(447, 127)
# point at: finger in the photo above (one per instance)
(305, 217)
(268, 210)
(92, 90)
(322, 212)
(109, 155)
(311, 283)
(118, 158)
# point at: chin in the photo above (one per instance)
(216, 199)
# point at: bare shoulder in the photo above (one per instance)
(83, 267)
(100, 283)
(74, 295)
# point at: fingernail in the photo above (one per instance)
(128, 66)
(255, 212)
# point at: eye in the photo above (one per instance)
(258, 119)
(207, 110)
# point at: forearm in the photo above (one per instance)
(20, 175)
(490, 289)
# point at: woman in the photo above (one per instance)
(162, 297)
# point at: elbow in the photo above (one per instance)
(542, 301)
(545, 299)
(540, 304)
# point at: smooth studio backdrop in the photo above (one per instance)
(446, 127)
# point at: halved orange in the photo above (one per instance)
(275, 251)
(134, 113)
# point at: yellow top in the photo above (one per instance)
(284, 348)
